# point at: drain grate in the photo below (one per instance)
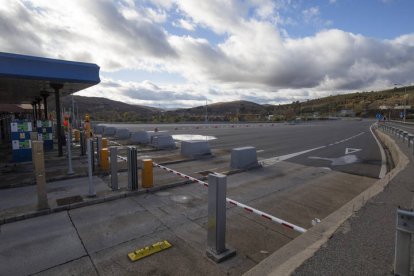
(68, 200)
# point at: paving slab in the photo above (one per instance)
(106, 225)
(81, 266)
(36, 244)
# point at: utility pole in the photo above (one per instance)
(206, 119)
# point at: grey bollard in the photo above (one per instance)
(98, 150)
(132, 169)
(69, 146)
(113, 152)
(243, 158)
(91, 154)
(216, 224)
(39, 169)
(82, 143)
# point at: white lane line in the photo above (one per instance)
(274, 160)
(383, 170)
(258, 151)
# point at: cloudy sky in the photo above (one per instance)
(180, 53)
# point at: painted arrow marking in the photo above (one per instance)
(351, 150)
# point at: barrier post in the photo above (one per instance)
(404, 230)
(132, 169)
(39, 168)
(216, 224)
(147, 174)
(82, 143)
(98, 150)
(113, 152)
(69, 146)
(90, 150)
(104, 160)
(104, 142)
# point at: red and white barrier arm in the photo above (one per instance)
(235, 203)
(180, 174)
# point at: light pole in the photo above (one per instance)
(206, 119)
(403, 102)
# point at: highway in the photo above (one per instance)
(347, 146)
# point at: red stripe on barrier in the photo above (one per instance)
(232, 203)
(287, 225)
(248, 209)
(263, 215)
(205, 184)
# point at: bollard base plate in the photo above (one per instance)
(228, 253)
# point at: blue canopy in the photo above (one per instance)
(23, 78)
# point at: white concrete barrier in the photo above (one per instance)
(195, 149)
(140, 137)
(243, 158)
(99, 129)
(122, 133)
(163, 142)
(109, 131)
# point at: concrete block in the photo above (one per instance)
(156, 133)
(122, 133)
(243, 158)
(140, 137)
(163, 142)
(99, 129)
(195, 149)
(109, 131)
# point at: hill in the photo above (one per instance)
(103, 109)
(388, 102)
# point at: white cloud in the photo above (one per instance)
(252, 61)
(185, 24)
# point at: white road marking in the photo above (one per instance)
(258, 151)
(351, 150)
(274, 160)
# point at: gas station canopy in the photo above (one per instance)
(25, 78)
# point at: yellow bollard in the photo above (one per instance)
(77, 135)
(146, 176)
(105, 159)
(104, 142)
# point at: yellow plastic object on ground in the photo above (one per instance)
(148, 250)
(104, 142)
(105, 160)
(147, 178)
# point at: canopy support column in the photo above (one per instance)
(57, 87)
(45, 94)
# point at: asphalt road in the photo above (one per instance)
(346, 146)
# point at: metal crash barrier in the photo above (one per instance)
(404, 231)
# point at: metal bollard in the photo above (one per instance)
(147, 174)
(132, 169)
(69, 146)
(98, 150)
(104, 143)
(113, 152)
(39, 170)
(216, 224)
(404, 230)
(82, 143)
(104, 160)
(90, 150)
